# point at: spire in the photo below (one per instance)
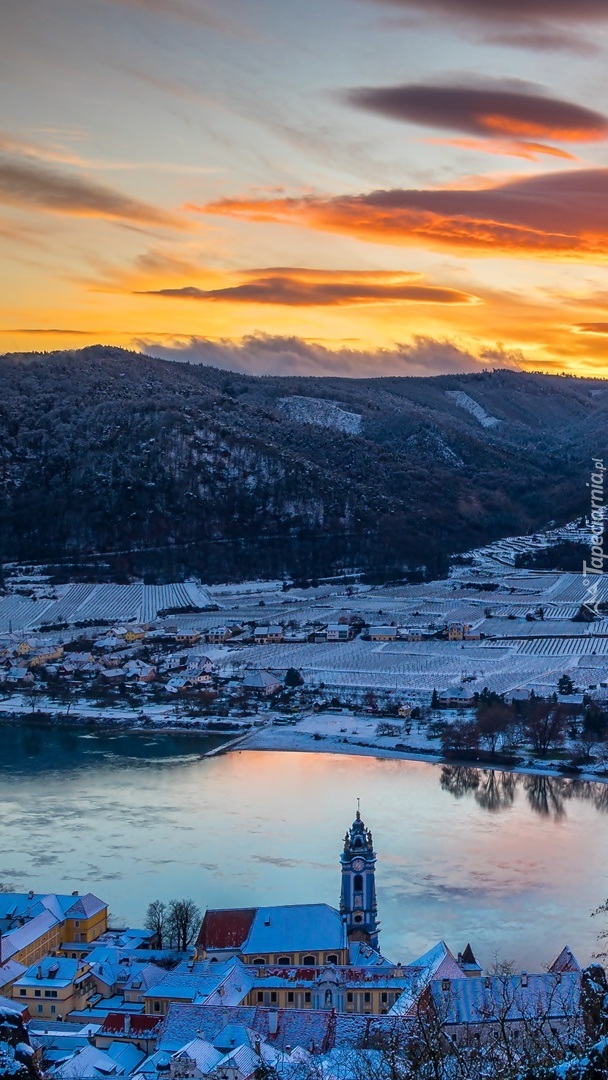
(358, 893)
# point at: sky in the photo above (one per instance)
(356, 187)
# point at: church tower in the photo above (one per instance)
(358, 896)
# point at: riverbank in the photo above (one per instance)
(327, 732)
(271, 739)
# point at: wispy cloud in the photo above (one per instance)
(190, 11)
(541, 24)
(560, 214)
(264, 354)
(31, 184)
(305, 287)
(59, 154)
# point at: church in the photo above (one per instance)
(306, 935)
(313, 956)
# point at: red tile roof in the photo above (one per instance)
(143, 1026)
(225, 928)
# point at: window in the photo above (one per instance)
(273, 995)
(77, 922)
(40, 1008)
(307, 996)
(332, 959)
(358, 918)
(358, 883)
(367, 996)
(23, 992)
(157, 1006)
(384, 998)
(260, 995)
(349, 997)
(284, 961)
(53, 1009)
(50, 993)
(309, 961)
(37, 993)
(290, 996)
(259, 960)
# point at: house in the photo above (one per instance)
(89, 1062)
(55, 987)
(383, 633)
(134, 633)
(457, 630)
(18, 676)
(339, 631)
(187, 637)
(268, 635)
(456, 696)
(262, 682)
(33, 925)
(118, 1027)
(45, 656)
(485, 1007)
(207, 982)
(139, 671)
(218, 635)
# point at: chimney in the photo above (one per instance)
(38, 972)
(273, 1022)
(75, 892)
(127, 1025)
(524, 978)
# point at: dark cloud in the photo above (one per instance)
(310, 288)
(262, 354)
(51, 331)
(560, 214)
(484, 109)
(600, 328)
(27, 183)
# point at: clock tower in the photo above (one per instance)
(358, 896)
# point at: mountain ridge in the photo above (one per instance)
(105, 449)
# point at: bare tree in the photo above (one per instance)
(156, 920)
(183, 921)
(545, 726)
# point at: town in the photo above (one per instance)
(279, 991)
(454, 668)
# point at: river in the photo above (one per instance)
(513, 864)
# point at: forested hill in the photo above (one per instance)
(104, 450)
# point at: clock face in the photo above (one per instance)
(358, 864)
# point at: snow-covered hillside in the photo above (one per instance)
(474, 408)
(305, 410)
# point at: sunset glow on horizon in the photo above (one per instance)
(364, 188)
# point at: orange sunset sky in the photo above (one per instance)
(318, 186)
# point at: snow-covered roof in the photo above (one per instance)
(295, 927)
(512, 997)
(50, 971)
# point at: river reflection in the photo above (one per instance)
(514, 864)
(546, 795)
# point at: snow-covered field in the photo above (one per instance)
(107, 603)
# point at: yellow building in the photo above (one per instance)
(55, 987)
(34, 925)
